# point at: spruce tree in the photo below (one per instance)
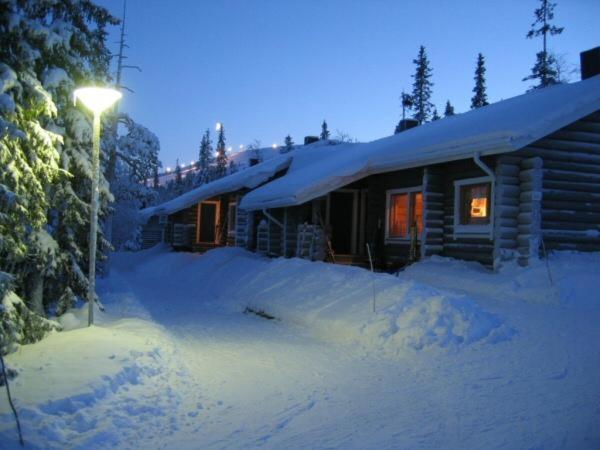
(324, 131)
(178, 176)
(221, 159)
(480, 98)
(289, 144)
(449, 111)
(422, 86)
(544, 69)
(435, 115)
(205, 155)
(46, 49)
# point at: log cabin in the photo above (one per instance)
(511, 180)
(207, 216)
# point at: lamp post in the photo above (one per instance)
(97, 100)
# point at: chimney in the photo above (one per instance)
(310, 139)
(406, 124)
(590, 63)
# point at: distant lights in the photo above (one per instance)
(241, 146)
(275, 145)
(229, 149)
(219, 126)
(168, 169)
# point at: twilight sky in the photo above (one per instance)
(266, 68)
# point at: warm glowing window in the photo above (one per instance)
(475, 202)
(405, 209)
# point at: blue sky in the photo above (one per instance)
(266, 68)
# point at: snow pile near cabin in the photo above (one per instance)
(336, 302)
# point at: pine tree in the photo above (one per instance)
(324, 131)
(422, 86)
(289, 144)
(178, 176)
(449, 111)
(480, 98)
(544, 68)
(435, 115)
(205, 155)
(221, 158)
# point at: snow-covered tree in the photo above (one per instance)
(255, 151)
(46, 48)
(480, 98)
(435, 115)
(422, 86)
(406, 101)
(324, 131)
(137, 165)
(544, 69)
(221, 159)
(449, 111)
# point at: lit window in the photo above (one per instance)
(405, 209)
(475, 204)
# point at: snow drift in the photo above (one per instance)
(336, 302)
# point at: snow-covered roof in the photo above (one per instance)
(502, 127)
(247, 178)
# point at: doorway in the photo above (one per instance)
(207, 222)
(343, 215)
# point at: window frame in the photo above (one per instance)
(478, 230)
(231, 225)
(388, 196)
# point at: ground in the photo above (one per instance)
(452, 357)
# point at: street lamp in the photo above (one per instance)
(97, 100)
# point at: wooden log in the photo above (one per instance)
(585, 126)
(576, 136)
(571, 216)
(569, 195)
(575, 167)
(534, 162)
(558, 155)
(583, 147)
(572, 186)
(566, 175)
(574, 206)
(569, 225)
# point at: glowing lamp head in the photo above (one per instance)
(219, 126)
(97, 99)
(241, 146)
(168, 169)
(274, 145)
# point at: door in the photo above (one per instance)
(342, 220)
(208, 222)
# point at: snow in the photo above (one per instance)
(502, 127)
(455, 356)
(54, 77)
(247, 178)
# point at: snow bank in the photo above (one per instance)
(334, 301)
(75, 383)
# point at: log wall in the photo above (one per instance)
(570, 186)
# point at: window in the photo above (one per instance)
(473, 205)
(231, 218)
(404, 209)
